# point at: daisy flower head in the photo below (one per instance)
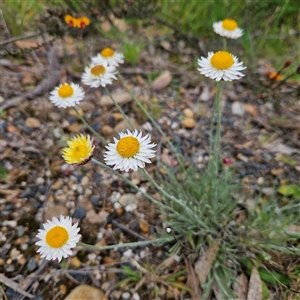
(58, 238)
(67, 95)
(130, 152)
(98, 74)
(109, 56)
(221, 65)
(80, 150)
(228, 28)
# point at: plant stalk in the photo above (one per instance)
(103, 140)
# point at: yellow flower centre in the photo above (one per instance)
(107, 52)
(57, 236)
(128, 146)
(79, 152)
(229, 24)
(222, 60)
(98, 70)
(65, 91)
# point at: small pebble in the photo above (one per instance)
(32, 264)
(126, 296)
(95, 199)
(85, 181)
(188, 113)
(33, 122)
(128, 253)
(136, 296)
(188, 123)
(11, 223)
(131, 207)
(79, 213)
(237, 109)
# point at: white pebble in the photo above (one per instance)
(126, 296)
(12, 223)
(136, 296)
(128, 253)
(237, 109)
(131, 207)
(40, 180)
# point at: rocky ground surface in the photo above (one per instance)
(260, 135)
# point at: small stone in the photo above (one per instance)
(75, 262)
(120, 98)
(250, 109)
(136, 296)
(86, 292)
(85, 181)
(95, 199)
(92, 217)
(14, 253)
(40, 180)
(55, 211)
(79, 213)
(32, 264)
(105, 286)
(10, 223)
(128, 199)
(29, 192)
(58, 184)
(128, 253)
(33, 122)
(162, 81)
(260, 181)
(144, 226)
(116, 295)
(237, 109)
(107, 130)
(118, 116)
(188, 123)
(131, 207)
(20, 230)
(124, 125)
(126, 296)
(188, 113)
(205, 95)
(85, 203)
(277, 171)
(102, 216)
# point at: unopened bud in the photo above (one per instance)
(287, 63)
(227, 161)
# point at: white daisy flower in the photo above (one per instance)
(228, 28)
(221, 65)
(67, 95)
(109, 56)
(98, 74)
(130, 152)
(58, 238)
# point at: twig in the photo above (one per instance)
(126, 229)
(14, 286)
(19, 38)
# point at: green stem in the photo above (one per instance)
(217, 147)
(211, 137)
(140, 105)
(219, 114)
(129, 183)
(163, 192)
(134, 244)
(224, 44)
(119, 108)
(90, 127)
